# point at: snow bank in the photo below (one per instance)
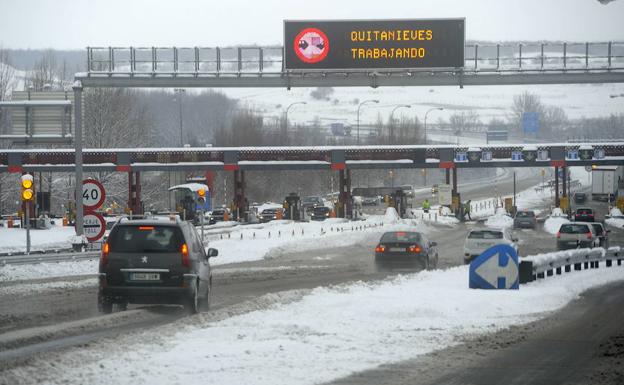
(14, 239)
(500, 220)
(326, 335)
(553, 224)
(391, 215)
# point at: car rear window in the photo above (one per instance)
(525, 214)
(401, 236)
(485, 234)
(321, 210)
(580, 195)
(573, 229)
(584, 211)
(145, 239)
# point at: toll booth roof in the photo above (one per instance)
(194, 187)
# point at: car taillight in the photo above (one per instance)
(590, 215)
(414, 249)
(558, 234)
(589, 235)
(185, 255)
(380, 249)
(104, 255)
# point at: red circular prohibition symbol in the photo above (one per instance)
(102, 197)
(311, 45)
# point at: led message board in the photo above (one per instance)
(374, 44)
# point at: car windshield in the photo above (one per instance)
(401, 236)
(269, 211)
(525, 214)
(311, 200)
(485, 234)
(580, 195)
(145, 239)
(218, 212)
(321, 210)
(574, 229)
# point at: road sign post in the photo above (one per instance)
(495, 268)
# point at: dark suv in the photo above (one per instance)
(584, 214)
(153, 261)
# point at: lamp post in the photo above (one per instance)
(286, 114)
(358, 116)
(180, 92)
(392, 119)
(427, 113)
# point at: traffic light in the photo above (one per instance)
(201, 193)
(28, 188)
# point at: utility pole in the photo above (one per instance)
(180, 92)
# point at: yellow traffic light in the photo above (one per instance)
(201, 192)
(28, 193)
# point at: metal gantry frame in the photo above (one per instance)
(485, 64)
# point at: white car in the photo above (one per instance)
(479, 240)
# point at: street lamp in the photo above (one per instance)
(427, 113)
(392, 118)
(358, 117)
(180, 92)
(288, 108)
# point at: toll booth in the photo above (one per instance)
(292, 207)
(399, 202)
(187, 198)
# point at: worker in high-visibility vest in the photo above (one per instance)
(426, 205)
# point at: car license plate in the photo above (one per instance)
(483, 244)
(397, 249)
(145, 276)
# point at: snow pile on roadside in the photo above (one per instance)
(14, 239)
(617, 219)
(554, 221)
(326, 335)
(46, 270)
(542, 259)
(500, 220)
(391, 215)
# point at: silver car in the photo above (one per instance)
(576, 235)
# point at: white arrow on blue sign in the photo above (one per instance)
(495, 268)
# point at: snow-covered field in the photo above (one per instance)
(577, 100)
(14, 240)
(327, 334)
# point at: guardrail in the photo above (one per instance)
(47, 258)
(546, 265)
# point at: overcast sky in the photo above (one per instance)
(67, 24)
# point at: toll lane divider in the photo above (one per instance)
(545, 265)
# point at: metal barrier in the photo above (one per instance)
(546, 265)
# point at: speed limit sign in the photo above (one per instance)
(94, 226)
(93, 194)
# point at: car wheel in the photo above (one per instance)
(204, 303)
(192, 303)
(105, 306)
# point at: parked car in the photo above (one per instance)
(580, 197)
(217, 215)
(602, 234)
(155, 261)
(576, 235)
(309, 203)
(479, 240)
(268, 215)
(320, 213)
(525, 218)
(406, 249)
(584, 214)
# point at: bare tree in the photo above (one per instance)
(45, 74)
